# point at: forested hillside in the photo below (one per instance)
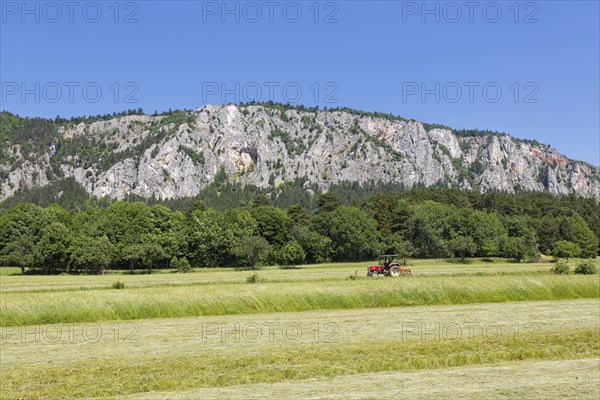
(269, 146)
(418, 223)
(246, 185)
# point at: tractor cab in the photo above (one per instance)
(387, 265)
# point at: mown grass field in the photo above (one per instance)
(482, 330)
(11, 280)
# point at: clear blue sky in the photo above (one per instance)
(372, 55)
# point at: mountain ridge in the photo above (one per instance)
(177, 154)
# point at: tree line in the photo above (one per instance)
(134, 236)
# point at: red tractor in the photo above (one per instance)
(388, 265)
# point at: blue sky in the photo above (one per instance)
(530, 69)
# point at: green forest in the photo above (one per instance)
(246, 229)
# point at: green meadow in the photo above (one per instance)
(211, 334)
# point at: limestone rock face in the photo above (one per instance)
(151, 156)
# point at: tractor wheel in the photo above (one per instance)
(395, 271)
(375, 274)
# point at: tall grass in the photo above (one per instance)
(23, 308)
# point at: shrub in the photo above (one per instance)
(289, 255)
(118, 285)
(565, 249)
(181, 264)
(586, 267)
(251, 251)
(197, 158)
(255, 278)
(462, 247)
(560, 267)
(519, 248)
(535, 258)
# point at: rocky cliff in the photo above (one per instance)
(176, 155)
